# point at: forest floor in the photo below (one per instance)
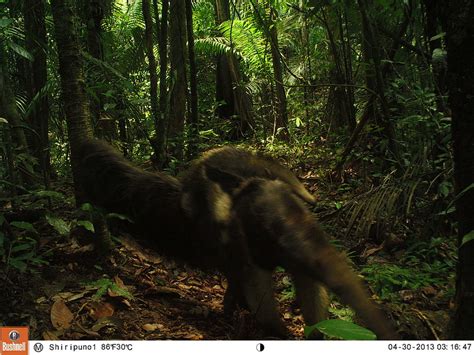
(69, 291)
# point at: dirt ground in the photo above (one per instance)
(151, 298)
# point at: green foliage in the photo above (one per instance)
(249, 43)
(425, 263)
(340, 329)
(49, 194)
(104, 285)
(213, 46)
(469, 237)
(19, 251)
(26, 226)
(288, 291)
(10, 36)
(61, 226)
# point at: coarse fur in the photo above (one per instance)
(234, 162)
(151, 200)
(206, 187)
(271, 227)
(263, 224)
(244, 226)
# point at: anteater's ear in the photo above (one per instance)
(228, 181)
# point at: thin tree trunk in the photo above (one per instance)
(369, 107)
(161, 133)
(375, 59)
(282, 113)
(229, 88)
(151, 67)
(341, 98)
(193, 107)
(156, 15)
(432, 29)
(8, 105)
(178, 90)
(9, 111)
(35, 31)
(94, 14)
(457, 17)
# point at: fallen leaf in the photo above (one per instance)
(77, 296)
(61, 316)
(152, 327)
(119, 282)
(42, 299)
(62, 296)
(100, 310)
(50, 335)
(372, 251)
(429, 291)
(107, 322)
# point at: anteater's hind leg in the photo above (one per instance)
(313, 300)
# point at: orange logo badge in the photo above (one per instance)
(14, 340)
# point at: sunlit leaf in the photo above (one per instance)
(87, 225)
(467, 238)
(338, 328)
(21, 51)
(60, 225)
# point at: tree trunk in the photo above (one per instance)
(459, 27)
(341, 98)
(233, 100)
(94, 14)
(178, 93)
(282, 114)
(193, 107)
(432, 29)
(72, 84)
(151, 67)
(35, 31)
(161, 133)
(76, 106)
(9, 111)
(374, 58)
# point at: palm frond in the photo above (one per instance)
(213, 46)
(380, 206)
(249, 42)
(45, 91)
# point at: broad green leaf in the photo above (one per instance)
(23, 225)
(468, 238)
(21, 51)
(61, 226)
(3, 120)
(87, 225)
(2, 219)
(338, 328)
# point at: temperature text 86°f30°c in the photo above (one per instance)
(117, 347)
